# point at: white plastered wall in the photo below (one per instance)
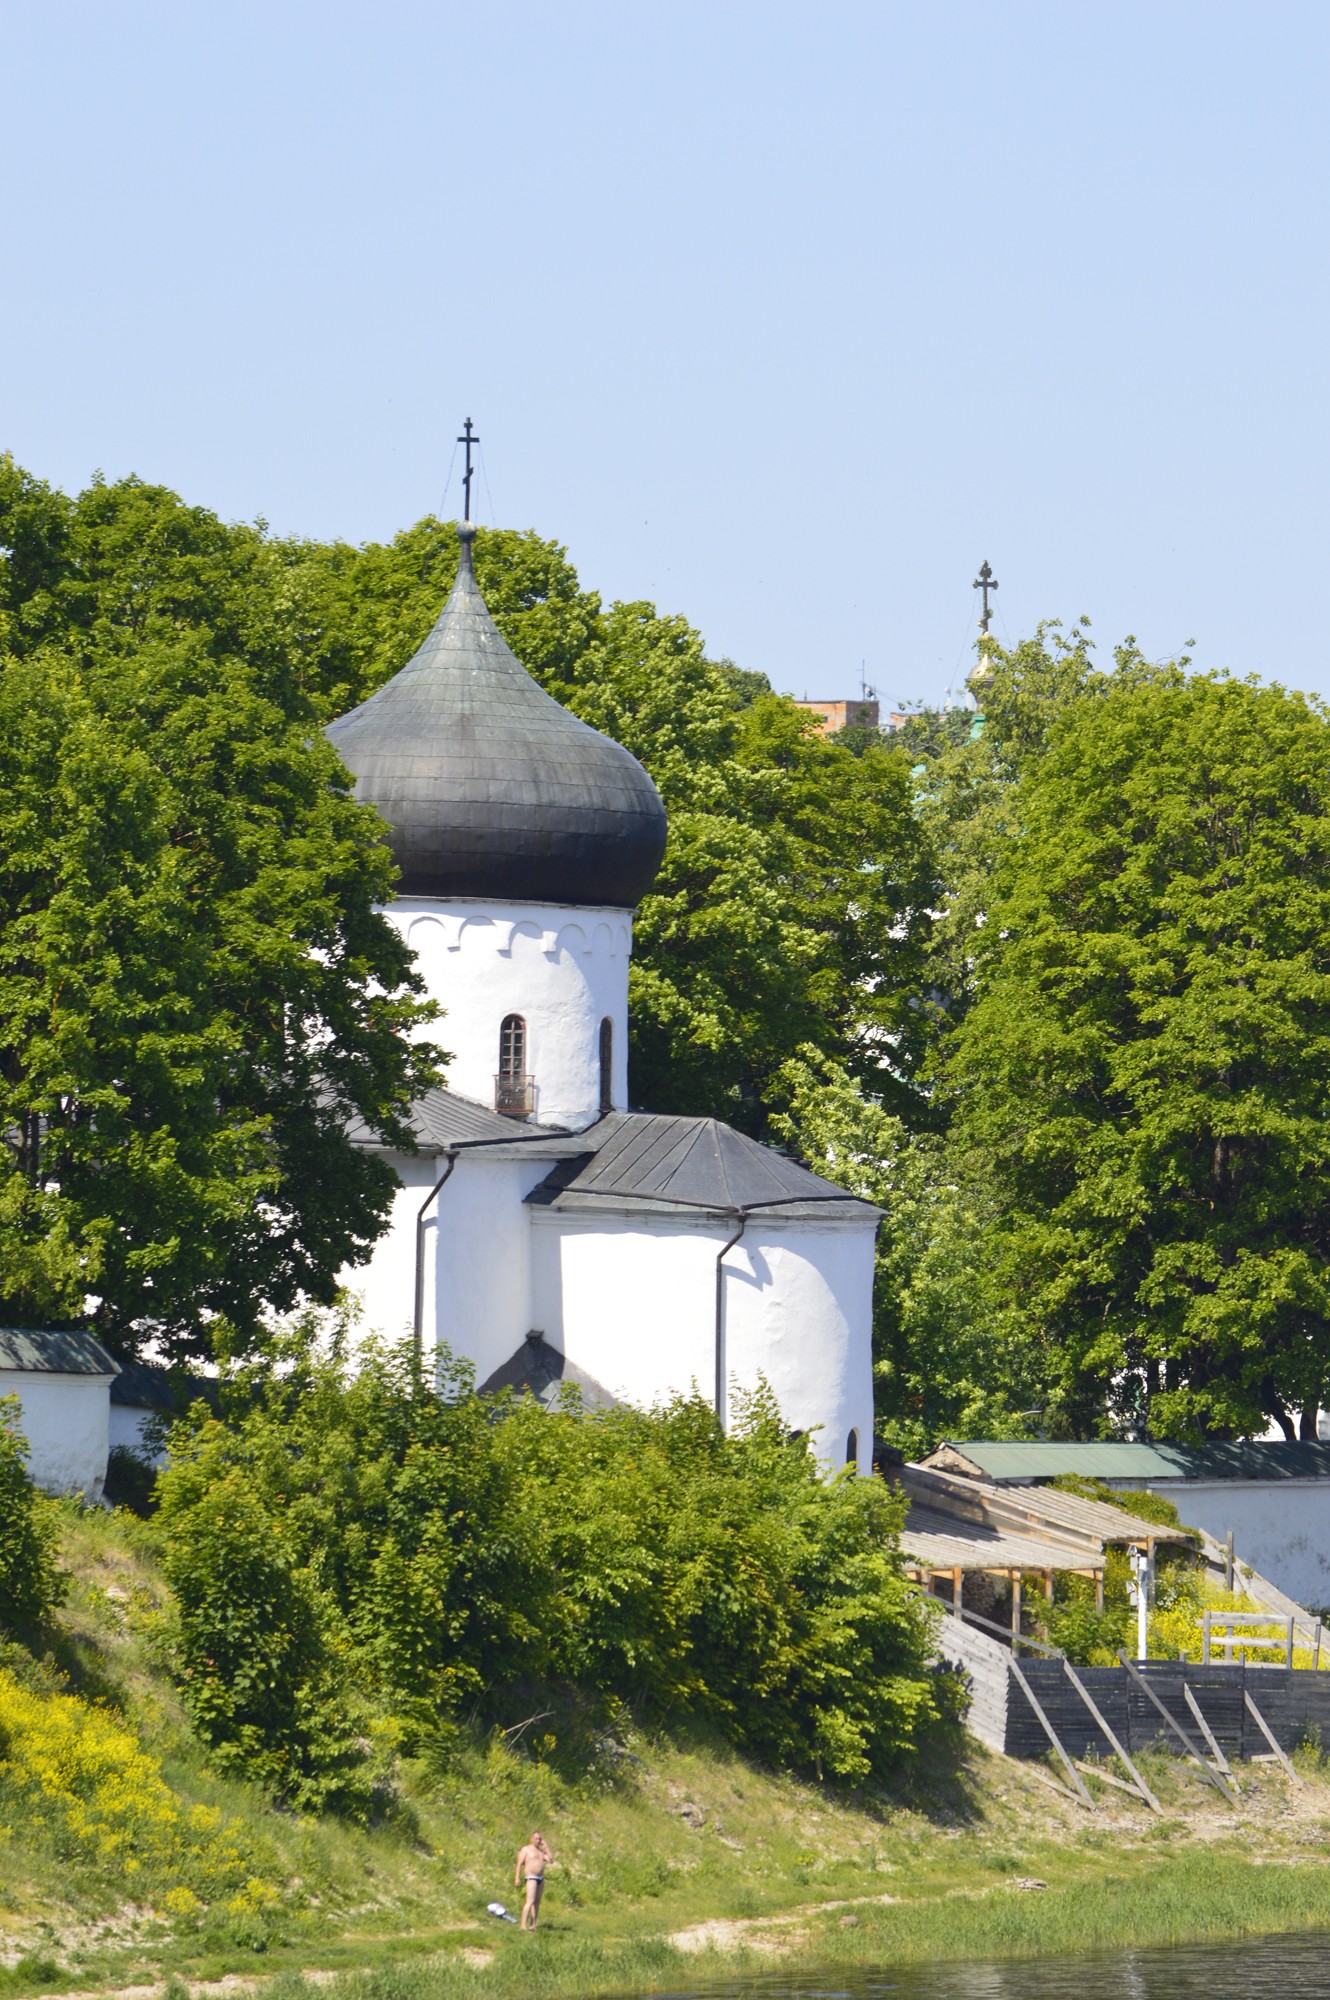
(632, 1301)
(477, 1242)
(66, 1421)
(1281, 1527)
(563, 970)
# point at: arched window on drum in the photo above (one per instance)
(514, 1089)
(606, 1065)
(852, 1448)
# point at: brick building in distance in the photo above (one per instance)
(855, 712)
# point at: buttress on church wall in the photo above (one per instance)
(564, 971)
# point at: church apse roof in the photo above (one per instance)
(672, 1164)
(490, 788)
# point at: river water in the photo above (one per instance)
(1277, 1968)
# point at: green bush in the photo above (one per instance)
(131, 1480)
(251, 1650)
(30, 1583)
(453, 1552)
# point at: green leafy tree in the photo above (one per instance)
(197, 996)
(951, 1356)
(31, 1585)
(260, 1674)
(968, 770)
(1142, 1074)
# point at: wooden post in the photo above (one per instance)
(1209, 1736)
(1134, 1674)
(1316, 1648)
(1015, 1608)
(1264, 1728)
(957, 1581)
(1048, 1585)
(1093, 1706)
(1228, 1560)
(1051, 1734)
(1099, 1592)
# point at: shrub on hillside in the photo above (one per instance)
(454, 1549)
(30, 1583)
(251, 1649)
(75, 1781)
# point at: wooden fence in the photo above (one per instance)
(1295, 1704)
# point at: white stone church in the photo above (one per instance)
(544, 1230)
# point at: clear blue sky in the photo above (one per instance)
(784, 316)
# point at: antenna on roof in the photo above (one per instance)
(468, 438)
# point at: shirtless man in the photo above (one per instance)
(532, 1861)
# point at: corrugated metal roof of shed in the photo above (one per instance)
(1018, 1461)
(53, 1351)
(937, 1541)
(1249, 1458)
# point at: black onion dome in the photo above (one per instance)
(490, 788)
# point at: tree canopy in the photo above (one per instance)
(1143, 1068)
(342, 1547)
(196, 993)
(1049, 988)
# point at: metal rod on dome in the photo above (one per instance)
(468, 438)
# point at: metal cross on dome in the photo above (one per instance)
(985, 581)
(468, 438)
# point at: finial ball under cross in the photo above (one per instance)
(985, 581)
(469, 437)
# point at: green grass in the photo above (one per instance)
(398, 1913)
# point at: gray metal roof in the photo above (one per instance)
(1143, 1464)
(491, 788)
(53, 1351)
(145, 1385)
(442, 1119)
(671, 1163)
(539, 1370)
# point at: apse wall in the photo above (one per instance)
(635, 1307)
(563, 971)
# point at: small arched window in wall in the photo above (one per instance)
(852, 1448)
(607, 1064)
(514, 1091)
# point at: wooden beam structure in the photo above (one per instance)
(1078, 1784)
(1216, 1779)
(1119, 1752)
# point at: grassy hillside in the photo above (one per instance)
(668, 1849)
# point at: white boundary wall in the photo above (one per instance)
(1281, 1527)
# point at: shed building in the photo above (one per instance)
(1271, 1495)
(62, 1379)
